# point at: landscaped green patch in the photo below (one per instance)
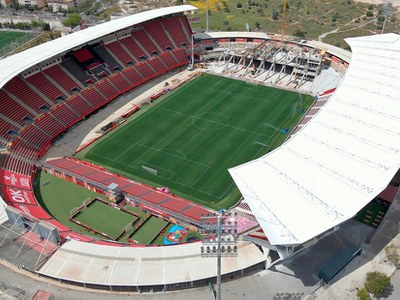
(105, 219)
(60, 198)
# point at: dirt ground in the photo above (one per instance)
(394, 2)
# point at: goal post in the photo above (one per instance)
(150, 170)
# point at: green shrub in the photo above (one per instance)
(362, 294)
(376, 283)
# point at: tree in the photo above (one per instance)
(72, 20)
(369, 14)
(377, 283)
(299, 32)
(275, 15)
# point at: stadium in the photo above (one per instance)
(290, 138)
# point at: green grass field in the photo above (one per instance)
(153, 225)
(196, 133)
(104, 218)
(8, 37)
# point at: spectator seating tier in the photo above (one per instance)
(78, 104)
(132, 76)
(119, 51)
(49, 124)
(177, 31)
(5, 127)
(23, 92)
(107, 57)
(157, 65)
(144, 70)
(120, 82)
(64, 114)
(62, 78)
(106, 88)
(133, 47)
(181, 55)
(93, 96)
(142, 37)
(75, 70)
(47, 88)
(168, 60)
(12, 109)
(155, 29)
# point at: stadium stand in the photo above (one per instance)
(65, 115)
(155, 197)
(155, 29)
(62, 78)
(25, 149)
(168, 59)
(107, 89)
(123, 56)
(34, 136)
(48, 124)
(47, 88)
(119, 81)
(132, 75)
(92, 173)
(17, 165)
(75, 70)
(181, 55)
(157, 65)
(179, 29)
(175, 204)
(5, 128)
(13, 110)
(144, 40)
(80, 105)
(99, 71)
(145, 71)
(37, 108)
(93, 96)
(109, 58)
(131, 45)
(19, 89)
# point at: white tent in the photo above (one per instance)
(344, 157)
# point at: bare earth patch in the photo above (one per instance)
(394, 2)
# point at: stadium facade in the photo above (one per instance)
(323, 175)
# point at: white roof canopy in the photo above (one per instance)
(15, 64)
(343, 158)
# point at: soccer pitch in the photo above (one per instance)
(188, 141)
(8, 37)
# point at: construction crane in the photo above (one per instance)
(283, 25)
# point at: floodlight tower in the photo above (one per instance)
(206, 15)
(283, 25)
(387, 12)
(220, 240)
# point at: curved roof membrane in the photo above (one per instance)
(342, 159)
(15, 64)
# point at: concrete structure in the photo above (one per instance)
(37, 3)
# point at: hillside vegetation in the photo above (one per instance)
(329, 20)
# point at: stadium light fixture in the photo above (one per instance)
(206, 15)
(220, 240)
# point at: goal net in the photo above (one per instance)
(150, 170)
